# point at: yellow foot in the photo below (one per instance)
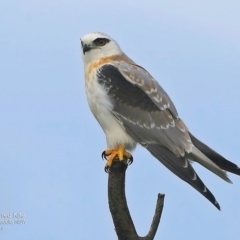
(116, 154)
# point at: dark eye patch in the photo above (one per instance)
(101, 41)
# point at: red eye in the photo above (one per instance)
(101, 42)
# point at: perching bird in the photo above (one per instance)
(132, 108)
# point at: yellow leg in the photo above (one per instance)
(116, 154)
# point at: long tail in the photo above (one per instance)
(215, 157)
(197, 156)
(183, 169)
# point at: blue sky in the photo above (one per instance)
(50, 144)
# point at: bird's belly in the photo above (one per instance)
(101, 107)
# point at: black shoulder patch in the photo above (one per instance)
(122, 91)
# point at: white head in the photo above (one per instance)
(98, 45)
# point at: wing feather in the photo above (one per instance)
(152, 120)
(148, 115)
(140, 77)
(183, 169)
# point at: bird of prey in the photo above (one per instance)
(132, 108)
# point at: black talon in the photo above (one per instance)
(130, 160)
(104, 155)
(106, 169)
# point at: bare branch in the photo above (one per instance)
(123, 223)
(117, 202)
(156, 218)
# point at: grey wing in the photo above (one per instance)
(140, 77)
(153, 123)
(141, 102)
(183, 169)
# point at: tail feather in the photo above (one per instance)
(197, 156)
(215, 157)
(183, 169)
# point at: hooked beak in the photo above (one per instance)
(85, 48)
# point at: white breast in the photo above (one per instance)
(101, 107)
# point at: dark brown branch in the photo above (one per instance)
(123, 223)
(117, 202)
(156, 218)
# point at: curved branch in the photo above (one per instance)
(123, 223)
(156, 218)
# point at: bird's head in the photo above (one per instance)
(98, 45)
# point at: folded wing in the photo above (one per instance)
(147, 113)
